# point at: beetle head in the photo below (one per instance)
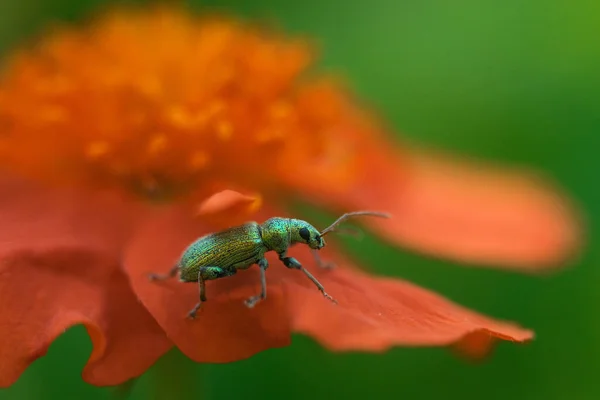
(309, 235)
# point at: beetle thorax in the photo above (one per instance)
(276, 233)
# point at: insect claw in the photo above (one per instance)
(327, 265)
(334, 301)
(251, 302)
(321, 263)
(152, 277)
(194, 311)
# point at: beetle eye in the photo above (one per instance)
(304, 234)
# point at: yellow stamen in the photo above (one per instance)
(199, 160)
(53, 114)
(224, 130)
(96, 149)
(157, 144)
(280, 110)
(180, 118)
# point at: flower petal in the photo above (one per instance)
(225, 329)
(459, 210)
(44, 293)
(41, 218)
(475, 346)
(219, 208)
(58, 252)
(374, 314)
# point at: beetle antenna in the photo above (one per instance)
(351, 231)
(344, 217)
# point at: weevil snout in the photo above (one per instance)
(311, 236)
(317, 243)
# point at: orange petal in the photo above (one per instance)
(373, 313)
(39, 218)
(57, 269)
(460, 210)
(225, 330)
(219, 208)
(475, 345)
(43, 294)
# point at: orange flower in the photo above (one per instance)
(112, 136)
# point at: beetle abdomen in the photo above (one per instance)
(238, 247)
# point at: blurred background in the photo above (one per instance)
(510, 81)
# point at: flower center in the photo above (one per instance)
(162, 103)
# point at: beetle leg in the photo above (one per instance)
(208, 274)
(202, 294)
(320, 262)
(292, 263)
(162, 277)
(263, 264)
(318, 284)
(192, 313)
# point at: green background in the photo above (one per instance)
(512, 81)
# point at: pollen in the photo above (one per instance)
(52, 114)
(181, 118)
(96, 149)
(165, 100)
(156, 144)
(199, 160)
(224, 130)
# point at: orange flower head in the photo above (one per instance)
(221, 121)
(164, 103)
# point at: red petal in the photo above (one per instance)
(459, 210)
(226, 200)
(374, 314)
(225, 329)
(221, 207)
(475, 345)
(52, 277)
(43, 294)
(39, 218)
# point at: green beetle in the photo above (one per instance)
(222, 254)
